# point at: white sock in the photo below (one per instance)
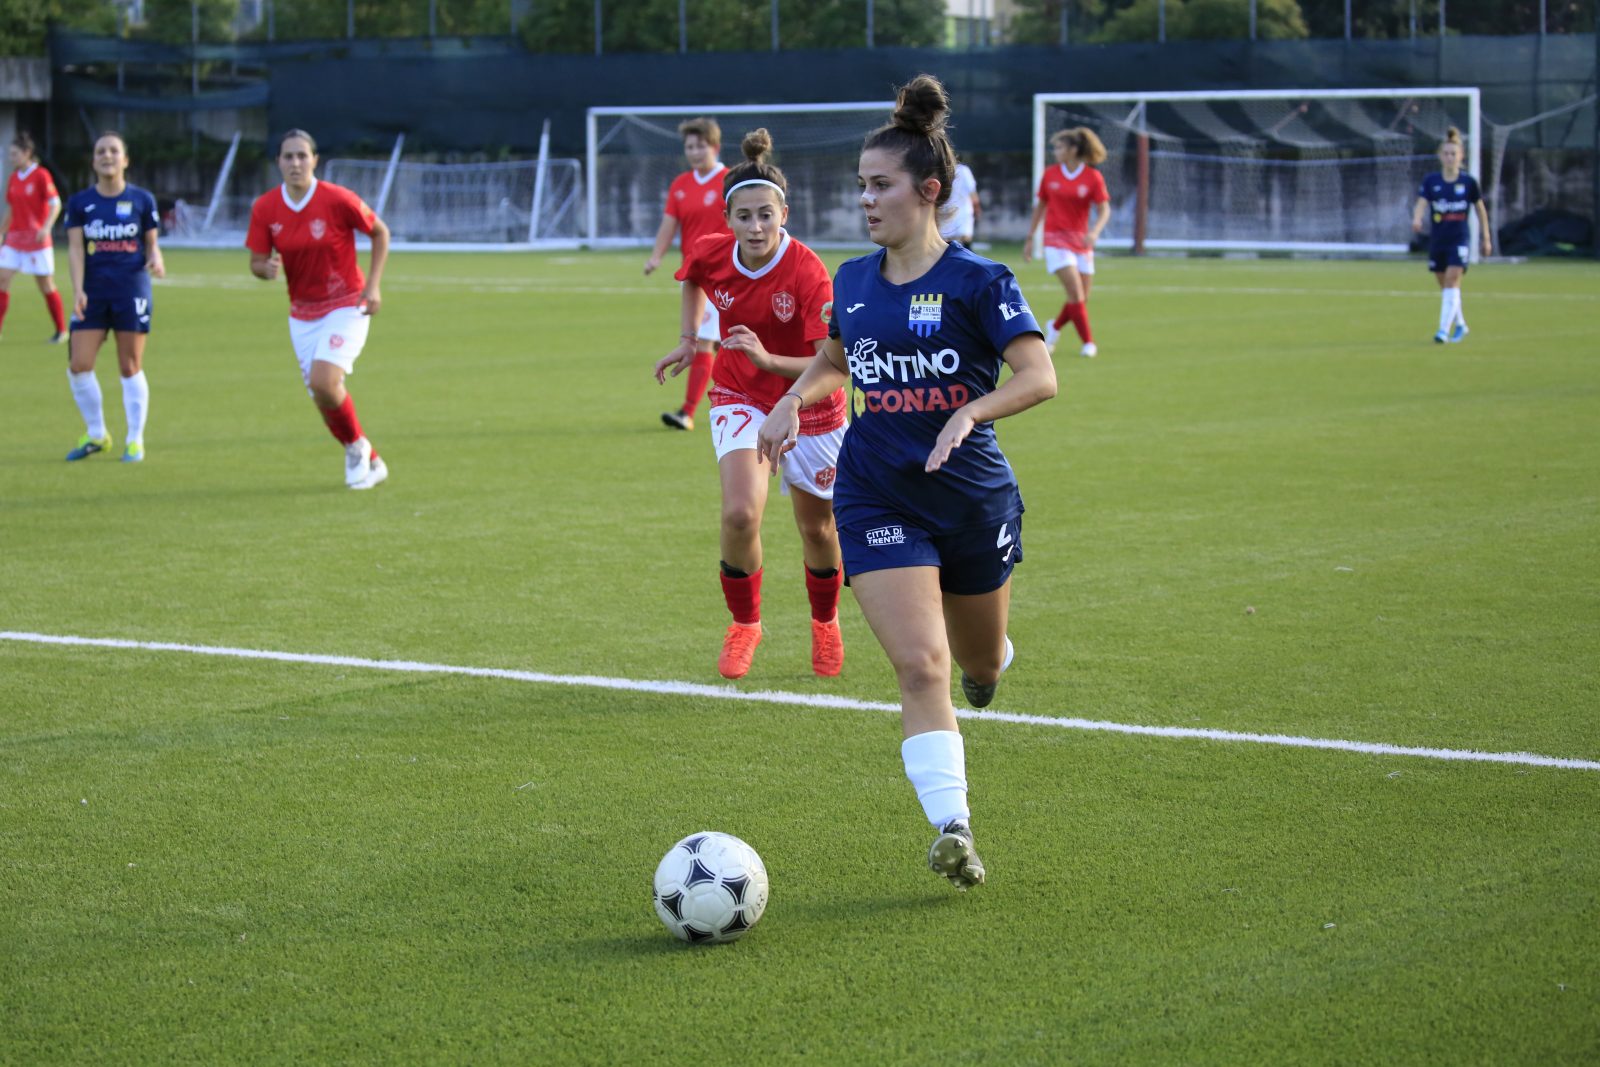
(136, 402)
(936, 764)
(86, 391)
(1447, 309)
(1460, 315)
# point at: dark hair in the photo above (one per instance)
(1084, 141)
(24, 141)
(310, 140)
(915, 132)
(756, 146)
(112, 133)
(705, 129)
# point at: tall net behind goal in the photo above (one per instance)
(469, 205)
(635, 152)
(1326, 171)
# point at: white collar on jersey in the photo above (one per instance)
(301, 206)
(22, 175)
(715, 171)
(783, 246)
(1071, 174)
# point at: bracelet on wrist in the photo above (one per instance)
(686, 337)
(799, 401)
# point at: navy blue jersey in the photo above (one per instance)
(918, 352)
(113, 240)
(1449, 204)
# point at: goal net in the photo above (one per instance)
(1300, 170)
(635, 152)
(470, 206)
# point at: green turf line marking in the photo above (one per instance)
(810, 700)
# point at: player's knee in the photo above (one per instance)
(819, 533)
(740, 516)
(326, 395)
(921, 667)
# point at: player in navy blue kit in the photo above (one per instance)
(928, 511)
(111, 246)
(1449, 194)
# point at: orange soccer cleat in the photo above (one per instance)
(827, 648)
(738, 649)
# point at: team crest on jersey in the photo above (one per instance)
(276, 228)
(825, 477)
(124, 208)
(927, 313)
(1083, 191)
(1461, 190)
(677, 194)
(318, 228)
(723, 298)
(783, 306)
(711, 196)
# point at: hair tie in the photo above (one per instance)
(754, 181)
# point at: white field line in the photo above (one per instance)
(810, 700)
(485, 285)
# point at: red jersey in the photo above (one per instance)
(1067, 196)
(28, 194)
(318, 244)
(697, 205)
(787, 304)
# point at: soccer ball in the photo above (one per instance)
(710, 888)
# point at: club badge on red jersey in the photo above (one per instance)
(783, 306)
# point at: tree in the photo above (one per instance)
(1205, 20)
(170, 20)
(1039, 21)
(730, 25)
(24, 24)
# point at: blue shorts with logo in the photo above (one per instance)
(970, 562)
(124, 314)
(1441, 257)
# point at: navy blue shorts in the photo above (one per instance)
(1441, 257)
(970, 562)
(126, 314)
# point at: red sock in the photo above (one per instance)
(744, 597)
(342, 422)
(699, 375)
(1079, 314)
(824, 593)
(52, 300)
(1064, 317)
(5, 302)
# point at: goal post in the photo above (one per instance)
(1325, 171)
(635, 152)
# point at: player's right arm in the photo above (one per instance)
(75, 268)
(693, 309)
(664, 235)
(264, 262)
(823, 378)
(1033, 225)
(1418, 210)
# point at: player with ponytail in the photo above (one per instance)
(1067, 192)
(928, 510)
(1449, 193)
(773, 300)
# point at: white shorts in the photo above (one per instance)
(1056, 258)
(710, 325)
(809, 466)
(336, 338)
(41, 263)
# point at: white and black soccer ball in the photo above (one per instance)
(710, 888)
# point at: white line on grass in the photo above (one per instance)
(810, 700)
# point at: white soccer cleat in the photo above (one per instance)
(1051, 336)
(377, 472)
(357, 462)
(1089, 351)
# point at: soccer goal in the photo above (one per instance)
(635, 152)
(1325, 171)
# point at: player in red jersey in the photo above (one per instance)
(307, 228)
(1066, 192)
(774, 299)
(694, 205)
(32, 206)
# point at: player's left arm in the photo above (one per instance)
(152, 249)
(52, 212)
(1032, 381)
(826, 373)
(742, 338)
(1486, 235)
(370, 296)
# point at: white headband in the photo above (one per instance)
(753, 181)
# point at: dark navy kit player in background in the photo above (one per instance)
(1447, 197)
(927, 508)
(112, 250)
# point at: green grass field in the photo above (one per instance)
(220, 860)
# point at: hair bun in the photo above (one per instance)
(922, 106)
(757, 145)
